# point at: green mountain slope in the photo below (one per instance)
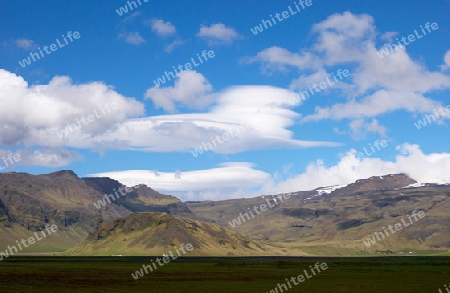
(158, 233)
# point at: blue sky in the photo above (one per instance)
(148, 134)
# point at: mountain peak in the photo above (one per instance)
(385, 182)
(64, 173)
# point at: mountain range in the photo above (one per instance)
(331, 220)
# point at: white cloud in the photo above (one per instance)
(132, 17)
(217, 33)
(359, 128)
(48, 157)
(341, 37)
(389, 36)
(238, 180)
(191, 89)
(380, 102)
(264, 109)
(32, 115)
(338, 85)
(278, 58)
(446, 65)
(260, 108)
(161, 28)
(175, 44)
(133, 38)
(216, 183)
(433, 169)
(25, 44)
(376, 85)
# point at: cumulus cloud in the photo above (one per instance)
(376, 85)
(217, 33)
(389, 36)
(133, 38)
(161, 28)
(277, 58)
(307, 82)
(49, 116)
(359, 128)
(33, 115)
(382, 101)
(446, 65)
(191, 89)
(341, 37)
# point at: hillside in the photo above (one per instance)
(337, 222)
(141, 198)
(158, 233)
(29, 202)
(325, 221)
(142, 195)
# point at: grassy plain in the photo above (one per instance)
(113, 274)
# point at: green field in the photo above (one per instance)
(113, 274)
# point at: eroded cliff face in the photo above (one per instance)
(60, 198)
(141, 198)
(29, 202)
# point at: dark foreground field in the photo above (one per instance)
(66, 274)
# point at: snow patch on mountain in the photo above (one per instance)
(328, 189)
(438, 181)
